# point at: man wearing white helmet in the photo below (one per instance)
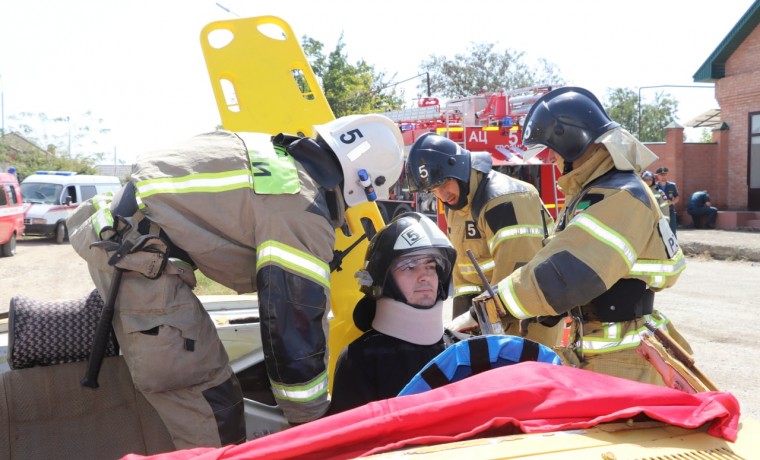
(255, 213)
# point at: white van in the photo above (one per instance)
(52, 195)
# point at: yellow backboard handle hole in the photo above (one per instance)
(303, 85)
(220, 38)
(272, 31)
(230, 96)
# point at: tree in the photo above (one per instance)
(484, 67)
(84, 137)
(647, 122)
(706, 136)
(349, 88)
(58, 135)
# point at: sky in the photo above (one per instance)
(138, 66)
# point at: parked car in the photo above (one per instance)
(11, 214)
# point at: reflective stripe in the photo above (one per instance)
(301, 393)
(659, 270)
(102, 200)
(102, 220)
(467, 289)
(276, 253)
(203, 182)
(469, 269)
(518, 231)
(607, 236)
(657, 281)
(611, 340)
(510, 300)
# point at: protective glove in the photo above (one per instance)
(465, 322)
(493, 306)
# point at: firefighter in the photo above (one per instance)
(612, 247)
(501, 219)
(405, 281)
(255, 213)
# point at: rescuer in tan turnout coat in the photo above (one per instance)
(252, 212)
(612, 248)
(502, 220)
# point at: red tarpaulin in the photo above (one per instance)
(529, 397)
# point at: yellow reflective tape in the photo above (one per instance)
(275, 253)
(301, 393)
(102, 219)
(468, 269)
(102, 200)
(657, 281)
(517, 231)
(611, 341)
(467, 289)
(509, 298)
(203, 182)
(607, 236)
(655, 267)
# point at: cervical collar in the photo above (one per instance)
(397, 319)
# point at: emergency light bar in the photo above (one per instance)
(56, 173)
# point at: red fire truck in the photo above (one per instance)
(486, 122)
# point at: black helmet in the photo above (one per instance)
(408, 234)
(433, 159)
(567, 120)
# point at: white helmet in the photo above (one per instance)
(371, 152)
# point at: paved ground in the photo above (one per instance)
(721, 244)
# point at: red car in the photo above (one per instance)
(11, 214)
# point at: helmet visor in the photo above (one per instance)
(410, 262)
(425, 181)
(532, 151)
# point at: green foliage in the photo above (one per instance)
(350, 88)
(46, 143)
(207, 286)
(28, 159)
(646, 122)
(481, 68)
(705, 136)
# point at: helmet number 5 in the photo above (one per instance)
(351, 136)
(423, 172)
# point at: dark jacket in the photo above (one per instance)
(377, 366)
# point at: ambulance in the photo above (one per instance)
(52, 195)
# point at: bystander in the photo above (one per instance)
(699, 206)
(671, 192)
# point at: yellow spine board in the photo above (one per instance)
(261, 79)
(262, 82)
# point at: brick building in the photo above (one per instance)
(729, 167)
